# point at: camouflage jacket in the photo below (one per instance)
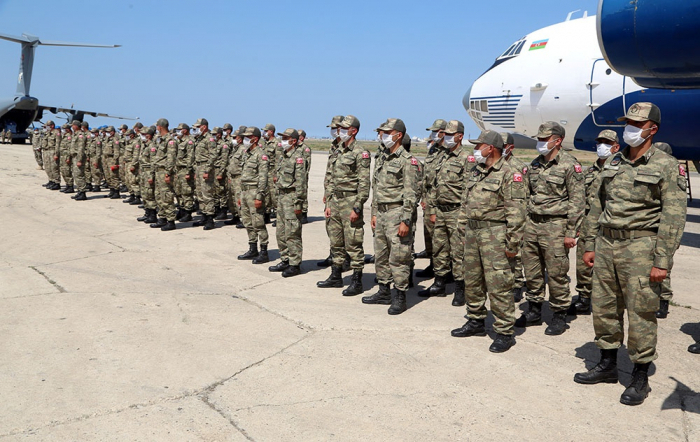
(397, 180)
(51, 140)
(206, 151)
(146, 157)
(255, 170)
(185, 154)
(589, 180)
(65, 143)
(448, 181)
(110, 148)
(270, 147)
(349, 172)
(432, 162)
(221, 163)
(646, 194)
(291, 174)
(306, 153)
(166, 154)
(95, 149)
(78, 146)
(235, 161)
(130, 151)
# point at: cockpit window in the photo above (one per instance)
(513, 50)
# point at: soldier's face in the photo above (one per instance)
(301, 138)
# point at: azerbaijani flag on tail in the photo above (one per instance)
(540, 44)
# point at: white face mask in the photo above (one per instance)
(633, 136)
(478, 157)
(449, 141)
(388, 141)
(235, 143)
(143, 137)
(334, 134)
(195, 131)
(179, 133)
(109, 134)
(433, 136)
(246, 142)
(604, 150)
(344, 135)
(543, 147)
(266, 135)
(286, 144)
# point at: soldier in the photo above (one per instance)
(130, 141)
(35, 137)
(85, 132)
(634, 227)
(666, 291)
(95, 150)
(444, 200)
(79, 160)
(396, 191)
(306, 153)
(233, 172)
(270, 147)
(133, 172)
(147, 154)
(184, 174)
(51, 155)
(254, 187)
(65, 158)
(555, 210)
(347, 190)
(519, 276)
(206, 152)
(437, 133)
(291, 193)
(332, 154)
(110, 162)
(120, 145)
(224, 149)
(164, 174)
(493, 213)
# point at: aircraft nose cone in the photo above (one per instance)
(465, 99)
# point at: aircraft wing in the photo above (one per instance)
(79, 114)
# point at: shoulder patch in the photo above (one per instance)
(524, 170)
(138, 146)
(300, 161)
(578, 168)
(171, 142)
(265, 158)
(365, 154)
(212, 139)
(307, 149)
(615, 161)
(681, 170)
(518, 178)
(153, 149)
(591, 169)
(471, 159)
(190, 142)
(414, 161)
(225, 146)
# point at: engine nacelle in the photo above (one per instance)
(655, 42)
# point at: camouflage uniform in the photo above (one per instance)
(220, 166)
(36, 147)
(306, 154)
(146, 176)
(291, 193)
(254, 186)
(95, 148)
(52, 155)
(432, 160)
(519, 275)
(120, 145)
(184, 177)
(584, 274)
(65, 158)
(233, 182)
(206, 153)
(132, 150)
(270, 147)
(164, 166)
(79, 155)
(110, 162)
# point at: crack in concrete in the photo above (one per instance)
(346, 396)
(51, 281)
(78, 259)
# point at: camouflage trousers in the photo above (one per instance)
(487, 269)
(110, 165)
(165, 196)
(305, 205)
(447, 243)
(543, 249)
(584, 274)
(79, 173)
(132, 178)
(205, 188)
(96, 169)
(288, 229)
(66, 168)
(344, 235)
(666, 291)
(518, 274)
(253, 219)
(270, 198)
(148, 190)
(184, 188)
(392, 253)
(428, 230)
(51, 165)
(220, 198)
(88, 169)
(233, 194)
(122, 169)
(621, 282)
(38, 157)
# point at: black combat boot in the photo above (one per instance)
(56, 186)
(411, 284)
(186, 216)
(170, 225)
(266, 218)
(398, 303)
(383, 296)
(116, 195)
(144, 217)
(201, 222)
(304, 217)
(694, 348)
(262, 257)
(251, 253)
(326, 262)
(80, 196)
(240, 225)
(502, 343)
(233, 221)
(437, 289)
(48, 183)
(428, 272)
(129, 200)
(558, 324)
(639, 389)
(279, 267)
(449, 278)
(69, 189)
(518, 293)
(223, 214)
(473, 327)
(582, 306)
(209, 224)
(369, 259)
(662, 312)
(605, 371)
(347, 264)
(152, 218)
(355, 288)
(89, 187)
(459, 299)
(335, 280)
(532, 317)
(109, 195)
(137, 201)
(122, 188)
(96, 188)
(421, 255)
(291, 271)
(160, 223)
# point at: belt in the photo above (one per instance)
(448, 207)
(288, 190)
(249, 186)
(545, 218)
(387, 207)
(476, 224)
(344, 194)
(627, 234)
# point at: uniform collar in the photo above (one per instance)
(397, 153)
(496, 166)
(643, 159)
(455, 152)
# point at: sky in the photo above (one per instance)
(290, 63)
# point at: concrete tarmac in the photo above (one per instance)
(113, 331)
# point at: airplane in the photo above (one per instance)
(19, 112)
(560, 73)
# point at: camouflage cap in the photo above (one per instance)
(149, 130)
(110, 129)
(123, 126)
(84, 124)
(241, 129)
(608, 134)
(94, 130)
(138, 125)
(643, 112)
(393, 124)
(217, 130)
(251, 131)
(302, 133)
(130, 132)
(490, 137)
(507, 138)
(335, 122)
(228, 126)
(349, 121)
(269, 126)
(664, 147)
(454, 127)
(200, 122)
(163, 123)
(236, 133)
(438, 125)
(549, 128)
(50, 123)
(75, 123)
(406, 142)
(183, 126)
(292, 133)
(65, 126)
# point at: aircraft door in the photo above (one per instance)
(607, 92)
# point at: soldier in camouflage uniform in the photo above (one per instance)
(306, 153)
(95, 149)
(35, 138)
(164, 168)
(396, 192)
(519, 276)
(131, 140)
(110, 162)
(493, 213)
(291, 193)
(184, 173)
(79, 159)
(224, 149)
(85, 132)
(437, 132)
(634, 227)
(254, 187)
(332, 153)
(206, 153)
(444, 200)
(147, 153)
(65, 158)
(233, 172)
(347, 190)
(555, 211)
(52, 155)
(121, 143)
(270, 146)
(222, 165)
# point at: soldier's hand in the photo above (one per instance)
(132, 169)
(403, 230)
(79, 164)
(324, 199)
(219, 177)
(588, 258)
(205, 176)
(569, 243)
(187, 177)
(433, 218)
(167, 179)
(67, 161)
(297, 212)
(354, 217)
(422, 205)
(511, 255)
(258, 204)
(274, 180)
(657, 274)
(239, 203)
(327, 212)
(55, 158)
(95, 164)
(373, 222)
(150, 181)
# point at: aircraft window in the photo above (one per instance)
(513, 49)
(608, 71)
(484, 106)
(510, 48)
(520, 48)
